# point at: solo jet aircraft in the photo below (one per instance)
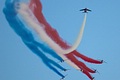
(85, 10)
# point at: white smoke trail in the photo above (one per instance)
(33, 23)
(47, 39)
(79, 38)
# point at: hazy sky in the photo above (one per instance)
(101, 40)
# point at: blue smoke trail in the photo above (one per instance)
(27, 37)
(48, 62)
(23, 32)
(48, 50)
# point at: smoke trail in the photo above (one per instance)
(39, 28)
(48, 50)
(36, 7)
(26, 35)
(48, 62)
(79, 38)
(46, 38)
(26, 14)
(21, 30)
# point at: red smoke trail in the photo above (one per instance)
(54, 34)
(36, 7)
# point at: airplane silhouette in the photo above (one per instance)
(85, 10)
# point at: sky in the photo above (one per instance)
(101, 40)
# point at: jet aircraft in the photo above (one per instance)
(85, 10)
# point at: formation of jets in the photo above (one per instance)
(85, 10)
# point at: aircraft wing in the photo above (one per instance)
(82, 9)
(88, 10)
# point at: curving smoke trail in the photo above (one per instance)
(79, 38)
(48, 35)
(27, 37)
(24, 11)
(30, 20)
(77, 41)
(36, 7)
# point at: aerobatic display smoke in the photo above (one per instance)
(18, 14)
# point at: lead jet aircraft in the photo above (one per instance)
(85, 10)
